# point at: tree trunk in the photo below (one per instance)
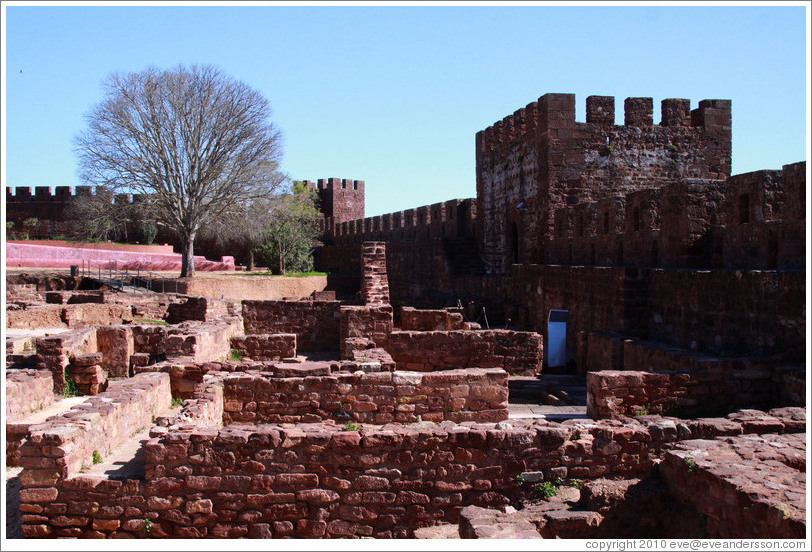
(250, 267)
(187, 267)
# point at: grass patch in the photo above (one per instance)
(149, 321)
(236, 355)
(97, 459)
(548, 489)
(351, 426)
(176, 402)
(70, 387)
(287, 274)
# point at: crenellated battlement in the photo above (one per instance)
(334, 184)
(63, 194)
(341, 199)
(555, 111)
(449, 219)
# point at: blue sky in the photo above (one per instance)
(394, 95)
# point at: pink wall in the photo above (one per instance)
(24, 254)
(132, 248)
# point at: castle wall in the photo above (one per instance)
(541, 154)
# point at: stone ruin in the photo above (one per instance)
(337, 423)
(381, 411)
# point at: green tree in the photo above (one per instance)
(30, 224)
(243, 225)
(292, 231)
(193, 140)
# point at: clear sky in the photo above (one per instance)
(394, 95)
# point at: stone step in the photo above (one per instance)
(451, 531)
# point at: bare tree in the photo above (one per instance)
(196, 141)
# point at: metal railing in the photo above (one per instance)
(119, 275)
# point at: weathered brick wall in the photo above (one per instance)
(265, 346)
(408, 477)
(725, 480)
(315, 323)
(541, 154)
(340, 199)
(366, 326)
(117, 345)
(453, 219)
(518, 353)
(63, 446)
(54, 352)
(791, 383)
(316, 480)
(202, 341)
(427, 320)
(68, 316)
(62, 297)
(599, 351)
(374, 282)
(472, 394)
(27, 391)
(765, 215)
(719, 312)
(698, 387)
(597, 298)
(203, 309)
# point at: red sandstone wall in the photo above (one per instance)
(518, 353)
(364, 327)
(541, 155)
(728, 485)
(198, 308)
(478, 395)
(680, 386)
(320, 481)
(265, 346)
(315, 323)
(374, 283)
(719, 312)
(27, 391)
(426, 320)
(63, 446)
(54, 352)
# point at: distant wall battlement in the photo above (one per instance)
(62, 194)
(753, 220)
(341, 199)
(555, 111)
(334, 184)
(449, 219)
